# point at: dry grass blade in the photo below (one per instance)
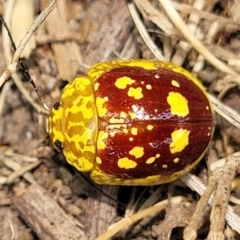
(195, 43)
(19, 171)
(23, 12)
(12, 67)
(184, 8)
(150, 12)
(143, 32)
(41, 18)
(183, 47)
(138, 216)
(226, 112)
(4, 91)
(12, 161)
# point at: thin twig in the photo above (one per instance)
(13, 65)
(40, 19)
(194, 183)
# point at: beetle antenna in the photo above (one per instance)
(22, 66)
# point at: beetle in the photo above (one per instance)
(133, 122)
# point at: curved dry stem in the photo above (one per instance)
(225, 111)
(144, 33)
(12, 67)
(195, 43)
(125, 222)
(40, 19)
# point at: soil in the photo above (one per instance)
(41, 195)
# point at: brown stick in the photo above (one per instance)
(45, 216)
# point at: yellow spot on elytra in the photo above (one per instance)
(135, 92)
(96, 86)
(157, 76)
(187, 74)
(137, 152)
(150, 160)
(164, 166)
(178, 104)
(176, 160)
(122, 82)
(208, 134)
(133, 115)
(207, 107)
(175, 83)
(134, 131)
(126, 163)
(125, 130)
(123, 115)
(116, 120)
(130, 139)
(98, 160)
(101, 140)
(148, 87)
(149, 127)
(180, 139)
(102, 110)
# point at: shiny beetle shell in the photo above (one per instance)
(133, 122)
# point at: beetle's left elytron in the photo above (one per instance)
(133, 122)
